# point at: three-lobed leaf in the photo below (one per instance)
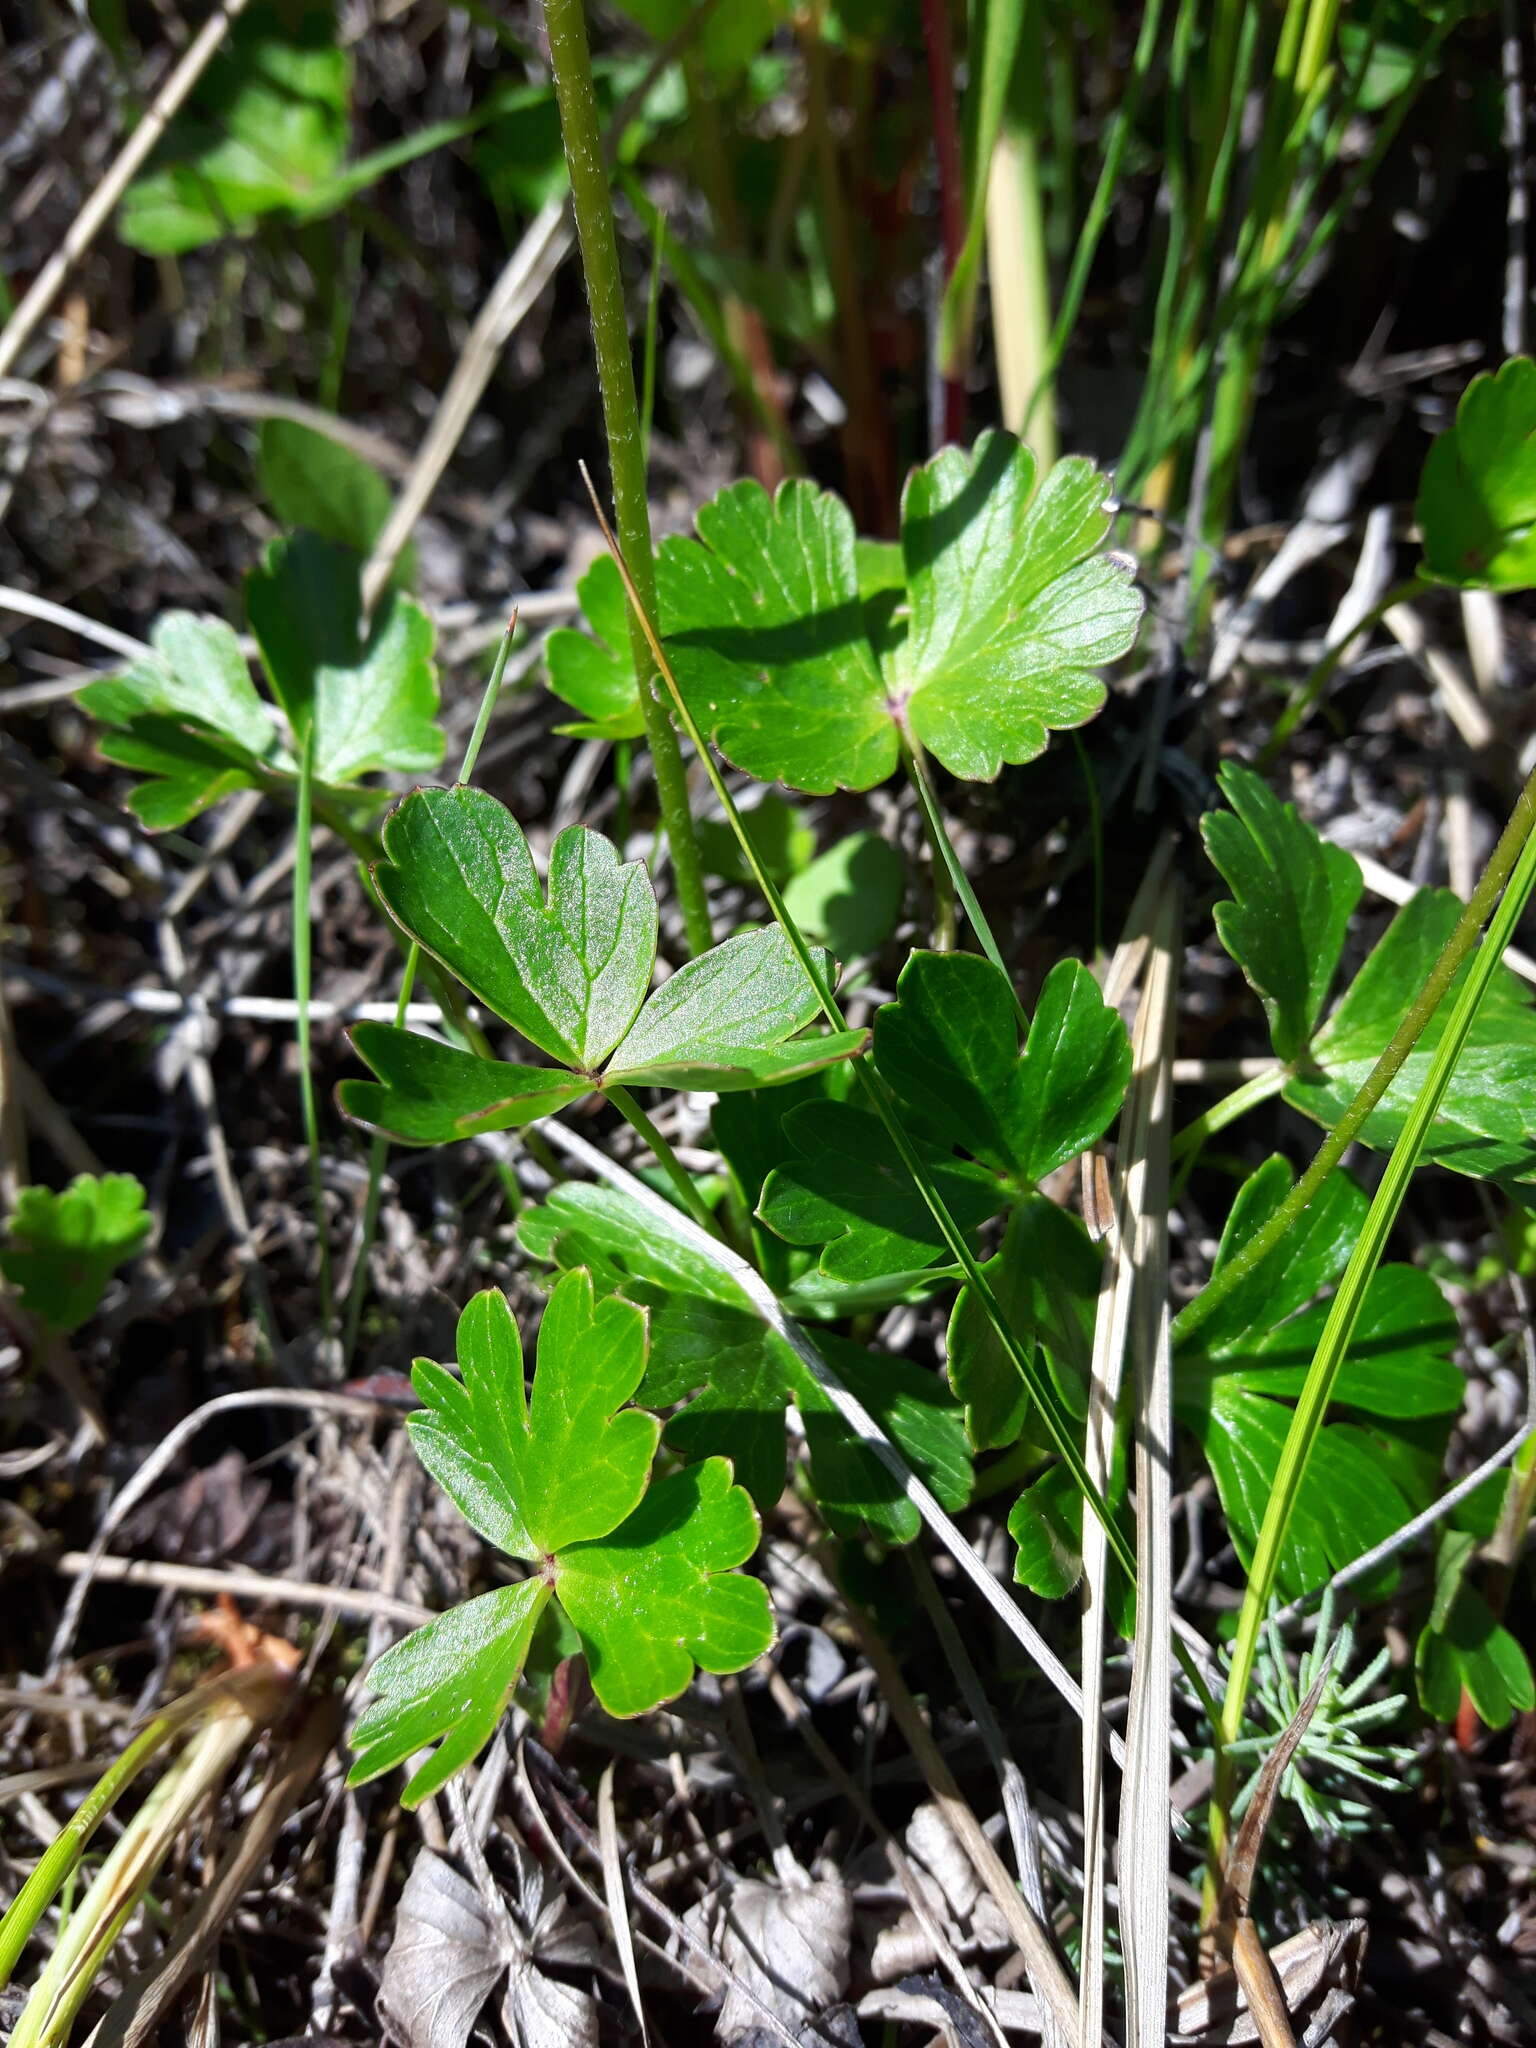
(1011, 608)
(1292, 898)
(62, 1248)
(569, 970)
(560, 1477)
(1477, 496)
(949, 1047)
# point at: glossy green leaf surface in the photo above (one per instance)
(1011, 608)
(62, 1248)
(449, 1682)
(188, 718)
(372, 701)
(1397, 1389)
(433, 1094)
(949, 1047)
(1292, 898)
(659, 1594)
(847, 1190)
(1477, 496)
(722, 1021)
(1486, 1125)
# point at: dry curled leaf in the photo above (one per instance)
(953, 1893)
(451, 1946)
(788, 1944)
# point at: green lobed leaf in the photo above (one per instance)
(1293, 895)
(373, 703)
(847, 1190)
(559, 1476)
(1477, 496)
(188, 717)
(569, 974)
(1012, 607)
(1486, 1124)
(1046, 1524)
(851, 895)
(1397, 1388)
(313, 481)
(660, 1595)
(433, 1094)
(595, 672)
(1046, 1279)
(449, 1682)
(948, 1046)
(62, 1248)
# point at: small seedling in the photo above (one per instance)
(562, 1479)
(62, 1249)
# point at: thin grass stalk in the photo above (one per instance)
(1058, 1425)
(592, 203)
(303, 856)
(1344, 1311)
(1096, 219)
(62, 1856)
(94, 1926)
(1145, 1786)
(378, 1149)
(915, 762)
(1416, 1020)
(1123, 1277)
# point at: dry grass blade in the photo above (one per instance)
(1154, 943)
(1144, 1793)
(613, 1892)
(714, 1971)
(132, 2018)
(793, 1710)
(1052, 1985)
(766, 1304)
(528, 269)
(93, 216)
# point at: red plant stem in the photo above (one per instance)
(946, 142)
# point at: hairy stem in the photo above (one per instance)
(592, 203)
